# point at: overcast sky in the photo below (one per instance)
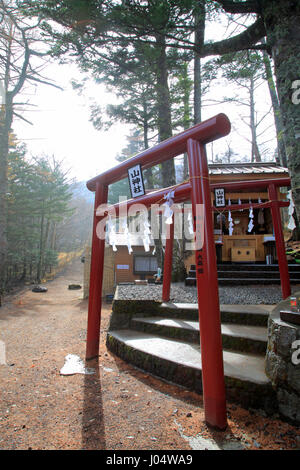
(61, 125)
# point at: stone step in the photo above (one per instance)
(251, 274)
(243, 281)
(293, 267)
(252, 282)
(254, 315)
(235, 337)
(243, 273)
(179, 362)
(190, 281)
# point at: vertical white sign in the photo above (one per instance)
(136, 182)
(220, 197)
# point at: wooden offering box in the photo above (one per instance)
(243, 254)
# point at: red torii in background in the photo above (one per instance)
(198, 190)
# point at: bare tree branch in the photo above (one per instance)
(23, 119)
(45, 82)
(243, 41)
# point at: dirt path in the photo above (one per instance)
(118, 407)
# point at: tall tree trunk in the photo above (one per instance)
(6, 114)
(276, 110)
(53, 236)
(148, 171)
(45, 244)
(199, 20)
(6, 117)
(255, 154)
(186, 114)
(197, 89)
(41, 251)
(164, 125)
(164, 107)
(282, 23)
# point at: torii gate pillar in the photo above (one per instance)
(207, 288)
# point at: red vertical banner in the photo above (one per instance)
(168, 262)
(279, 240)
(96, 279)
(213, 382)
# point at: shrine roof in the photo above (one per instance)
(246, 168)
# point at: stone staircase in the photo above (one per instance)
(163, 339)
(248, 274)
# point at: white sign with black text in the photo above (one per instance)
(136, 182)
(220, 197)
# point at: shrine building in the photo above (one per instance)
(240, 243)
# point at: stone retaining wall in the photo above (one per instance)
(283, 362)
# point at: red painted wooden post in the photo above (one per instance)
(168, 263)
(208, 297)
(279, 240)
(96, 278)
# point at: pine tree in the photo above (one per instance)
(38, 198)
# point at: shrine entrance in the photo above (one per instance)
(198, 191)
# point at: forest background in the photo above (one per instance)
(165, 66)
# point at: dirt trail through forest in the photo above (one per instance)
(118, 407)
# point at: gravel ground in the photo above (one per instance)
(186, 294)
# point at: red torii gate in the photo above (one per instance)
(198, 190)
